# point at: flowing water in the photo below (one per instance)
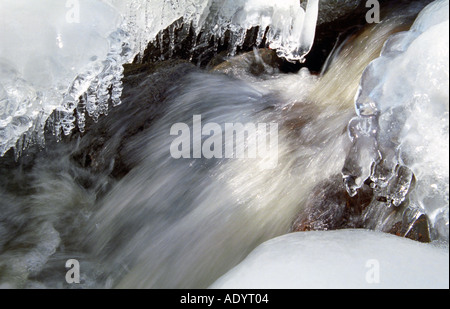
(135, 217)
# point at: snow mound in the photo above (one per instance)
(346, 259)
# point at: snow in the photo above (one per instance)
(346, 259)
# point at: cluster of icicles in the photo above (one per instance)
(62, 60)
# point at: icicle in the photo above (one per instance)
(309, 28)
(115, 32)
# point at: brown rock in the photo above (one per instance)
(331, 208)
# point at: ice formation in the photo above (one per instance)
(51, 53)
(347, 259)
(66, 57)
(291, 28)
(401, 135)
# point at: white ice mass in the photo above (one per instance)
(401, 135)
(347, 259)
(53, 52)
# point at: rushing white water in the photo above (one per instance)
(52, 52)
(171, 223)
(401, 135)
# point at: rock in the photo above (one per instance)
(256, 62)
(330, 208)
(330, 10)
(340, 19)
(418, 229)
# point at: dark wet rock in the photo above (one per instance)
(329, 207)
(418, 229)
(330, 10)
(333, 30)
(257, 62)
(403, 221)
